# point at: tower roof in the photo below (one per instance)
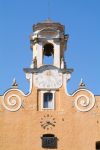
(48, 23)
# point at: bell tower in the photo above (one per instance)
(48, 40)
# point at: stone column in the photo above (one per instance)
(57, 55)
(39, 55)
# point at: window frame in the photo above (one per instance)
(42, 100)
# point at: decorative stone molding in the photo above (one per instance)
(12, 102)
(84, 102)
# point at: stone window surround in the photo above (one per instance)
(42, 95)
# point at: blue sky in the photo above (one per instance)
(82, 21)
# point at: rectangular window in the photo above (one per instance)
(48, 100)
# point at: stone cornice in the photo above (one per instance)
(47, 67)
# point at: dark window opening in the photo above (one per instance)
(48, 100)
(98, 145)
(48, 54)
(49, 141)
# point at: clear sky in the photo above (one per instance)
(82, 21)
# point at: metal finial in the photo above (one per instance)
(82, 84)
(14, 83)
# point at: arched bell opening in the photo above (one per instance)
(48, 54)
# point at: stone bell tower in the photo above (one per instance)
(48, 39)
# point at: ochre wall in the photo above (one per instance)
(75, 129)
